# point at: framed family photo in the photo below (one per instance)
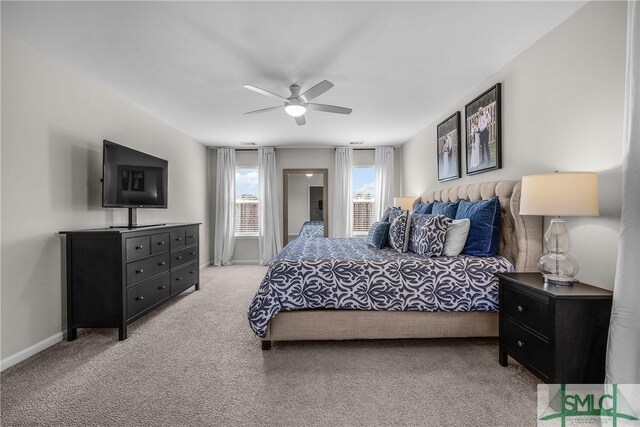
(448, 144)
(484, 135)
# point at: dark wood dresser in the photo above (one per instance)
(557, 332)
(117, 275)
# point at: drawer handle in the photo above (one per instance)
(520, 343)
(162, 287)
(520, 308)
(178, 239)
(161, 263)
(139, 271)
(192, 236)
(178, 258)
(192, 253)
(192, 272)
(138, 247)
(161, 243)
(139, 298)
(178, 279)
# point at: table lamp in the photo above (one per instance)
(404, 202)
(559, 194)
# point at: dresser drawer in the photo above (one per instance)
(139, 271)
(138, 247)
(160, 243)
(178, 238)
(527, 347)
(147, 294)
(184, 256)
(184, 277)
(192, 235)
(526, 310)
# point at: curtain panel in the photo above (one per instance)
(269, 240)
(623, 353)
(224, 229)
(385, 160)
(343, 194)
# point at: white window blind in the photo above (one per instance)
(246, 211)
(363, 198)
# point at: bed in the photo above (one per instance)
(311, 229)
(338, 289)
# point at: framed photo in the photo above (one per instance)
(448, 144)
(484, 132)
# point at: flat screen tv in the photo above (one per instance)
(132, 179)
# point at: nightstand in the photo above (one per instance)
(558, 332)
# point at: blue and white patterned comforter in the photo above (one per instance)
(312, 229)
(347, 274)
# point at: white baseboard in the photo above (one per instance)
(245, 262)
(30, 351)
(205, 265)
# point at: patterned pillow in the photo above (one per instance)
(378, 235)
(399, 230)
(428, 233)
(385, 217)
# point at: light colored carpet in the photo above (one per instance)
(196, 362)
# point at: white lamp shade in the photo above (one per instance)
(560, 194)
(404, 202)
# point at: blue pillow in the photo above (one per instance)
(484, 234)
(378, 234)
(423, 208)
(447, 209)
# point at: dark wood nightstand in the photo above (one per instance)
(557, 332)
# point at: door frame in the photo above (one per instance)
(285, 198)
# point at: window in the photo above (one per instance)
(246, 213)
(364, 185)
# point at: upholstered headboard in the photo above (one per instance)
(520, 236)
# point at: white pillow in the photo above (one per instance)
(456, 237)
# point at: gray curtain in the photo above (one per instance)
(225, 207)
(269, 240)
(385, 162)
(342, 194)
(623, 354)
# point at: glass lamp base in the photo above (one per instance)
(554, 279)
(556, 265)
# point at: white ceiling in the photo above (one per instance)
(397, 64)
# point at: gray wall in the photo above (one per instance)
(53, 122)
(562, 102)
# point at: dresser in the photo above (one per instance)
(117, 275)
(558, 332)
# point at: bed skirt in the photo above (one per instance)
(363, 324)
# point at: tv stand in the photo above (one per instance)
(133, 221)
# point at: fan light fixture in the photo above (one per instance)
(295, 110)
(297, 104)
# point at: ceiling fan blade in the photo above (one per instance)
(300, 120)
(329, 108)
(264, 92)
(277, 107)
(317, 90)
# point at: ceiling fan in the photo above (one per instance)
(297, 104)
